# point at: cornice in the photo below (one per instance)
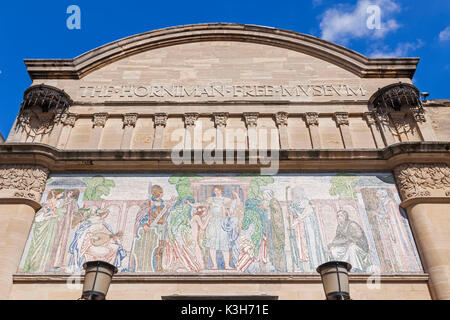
(221, 278)
(97, 58)
(420, 200)
(293, 160)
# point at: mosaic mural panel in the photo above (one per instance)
(206, 223)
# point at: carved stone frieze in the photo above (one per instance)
(423, 180)
(130, 119)
(251, 119)
(160, 119)
(190, 119)
(220, 119)
(22, 181)
(312, 118)
(99, 119)
(281, 118)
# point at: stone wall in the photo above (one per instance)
(105, 125)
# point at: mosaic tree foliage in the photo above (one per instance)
(98, 187)
(343, 186)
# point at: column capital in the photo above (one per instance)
(281, 118)
(419, 180)
(160, 119)
(23, 182)
(130, 119)
(99, 119)
(190, 118)
(312, 118)
(69, 119)
(220, 119)
(341, 118)
(370, 117)
(251, 119)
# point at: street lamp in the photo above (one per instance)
(335, 279)
(97, 279)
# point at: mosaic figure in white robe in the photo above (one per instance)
(308, 249)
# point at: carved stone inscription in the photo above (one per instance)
(221, 91)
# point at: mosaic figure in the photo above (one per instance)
(350, 243)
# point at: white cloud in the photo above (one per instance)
(445, 34)
(343, 23)
(402, 50)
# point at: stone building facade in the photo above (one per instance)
(225, 159)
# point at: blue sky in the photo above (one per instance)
(408, 28)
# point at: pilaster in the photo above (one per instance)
(129, 122)
(312, 121)
(370, 118)
(251, 121)
(190, 120)
(160, 123)
(424, 124)
(99, 122)
(281, 119)
(342, 121)
(220, 121)
(68, 121)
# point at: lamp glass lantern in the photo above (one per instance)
(97, 279)
(335, 279)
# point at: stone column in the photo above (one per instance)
(160, 123)
(189, 122)
(342, 122)
(251, 121)
(425, 191)
(21, 188)
(99, 122)
(281, 119)
(220, 121)
(372, 123)
(425, 128)
(129, 122)
(312, 121)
